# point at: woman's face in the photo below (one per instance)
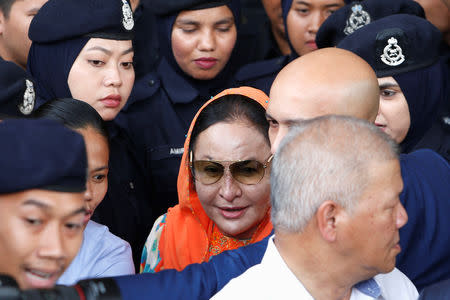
(393, 115)
(98, 155)
(103, 75)
(236, 208)
(304, 19)
(202, 41)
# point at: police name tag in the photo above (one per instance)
(176, 151)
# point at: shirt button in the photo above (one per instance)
(151, 82)
(132, 185)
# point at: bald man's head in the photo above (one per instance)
(323, 82)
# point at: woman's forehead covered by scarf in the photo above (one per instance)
(59, 32)
(168, 12)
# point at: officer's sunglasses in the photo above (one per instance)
(244, 171)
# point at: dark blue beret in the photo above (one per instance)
(41, 154)
(356, 14)
(66, 19)
(168, 7)
(17, 95)
(395, 44)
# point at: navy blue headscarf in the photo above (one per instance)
(285, 8)
(165, 25)
(49, 66)
(425, 90)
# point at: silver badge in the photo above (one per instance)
(127, 21)
(357, 19)
(27, 106)
(392, 53)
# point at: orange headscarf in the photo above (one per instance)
(186, 235)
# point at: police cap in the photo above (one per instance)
(357, 14)
(395, 44)
(16, 92)
(41, 154)
(168, 7)
(66, 19)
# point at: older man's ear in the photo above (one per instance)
(328, 216)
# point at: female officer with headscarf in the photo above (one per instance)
(404, 52)
(83, 49)
(304, 23)
(198, 40)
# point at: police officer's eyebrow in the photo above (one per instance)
(109, 52)
(192, 22)
(300, 2)
(46, 207)
(100, 169)
(386, 85)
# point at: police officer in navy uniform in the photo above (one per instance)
(419, 75)
(16, 89)
(60, 32)
(42, 200)
(164, 102)
(305, 19)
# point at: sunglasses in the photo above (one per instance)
(244, 171)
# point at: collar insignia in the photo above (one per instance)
(127, 20)
(392, 53)
(27, 106)
(357, 19)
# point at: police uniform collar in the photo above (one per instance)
(177, 87)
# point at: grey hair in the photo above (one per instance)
(326, 158)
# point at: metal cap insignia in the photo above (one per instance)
(358, 18)
(392, 53)
(127, 20)
(27, 106)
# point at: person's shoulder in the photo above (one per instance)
(259, 69)
(437, 291)
(395, 285)
(146, 87)
(249, 285)
(425, 165)
(101, 239)
(420, 155)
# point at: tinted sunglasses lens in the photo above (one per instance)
(207, 172)
(247, 172)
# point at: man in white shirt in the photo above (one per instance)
(336, 212)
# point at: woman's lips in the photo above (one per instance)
(312, 44)
(232, 212)
(112, 101)
(206, 62)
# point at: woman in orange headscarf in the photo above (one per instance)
(223, 185)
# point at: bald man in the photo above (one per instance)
(323, 82)
(327, 81)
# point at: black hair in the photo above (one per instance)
(74, 114)
(5, 7)
(230, 108)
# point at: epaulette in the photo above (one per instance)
(261, 68)
(143, 89)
